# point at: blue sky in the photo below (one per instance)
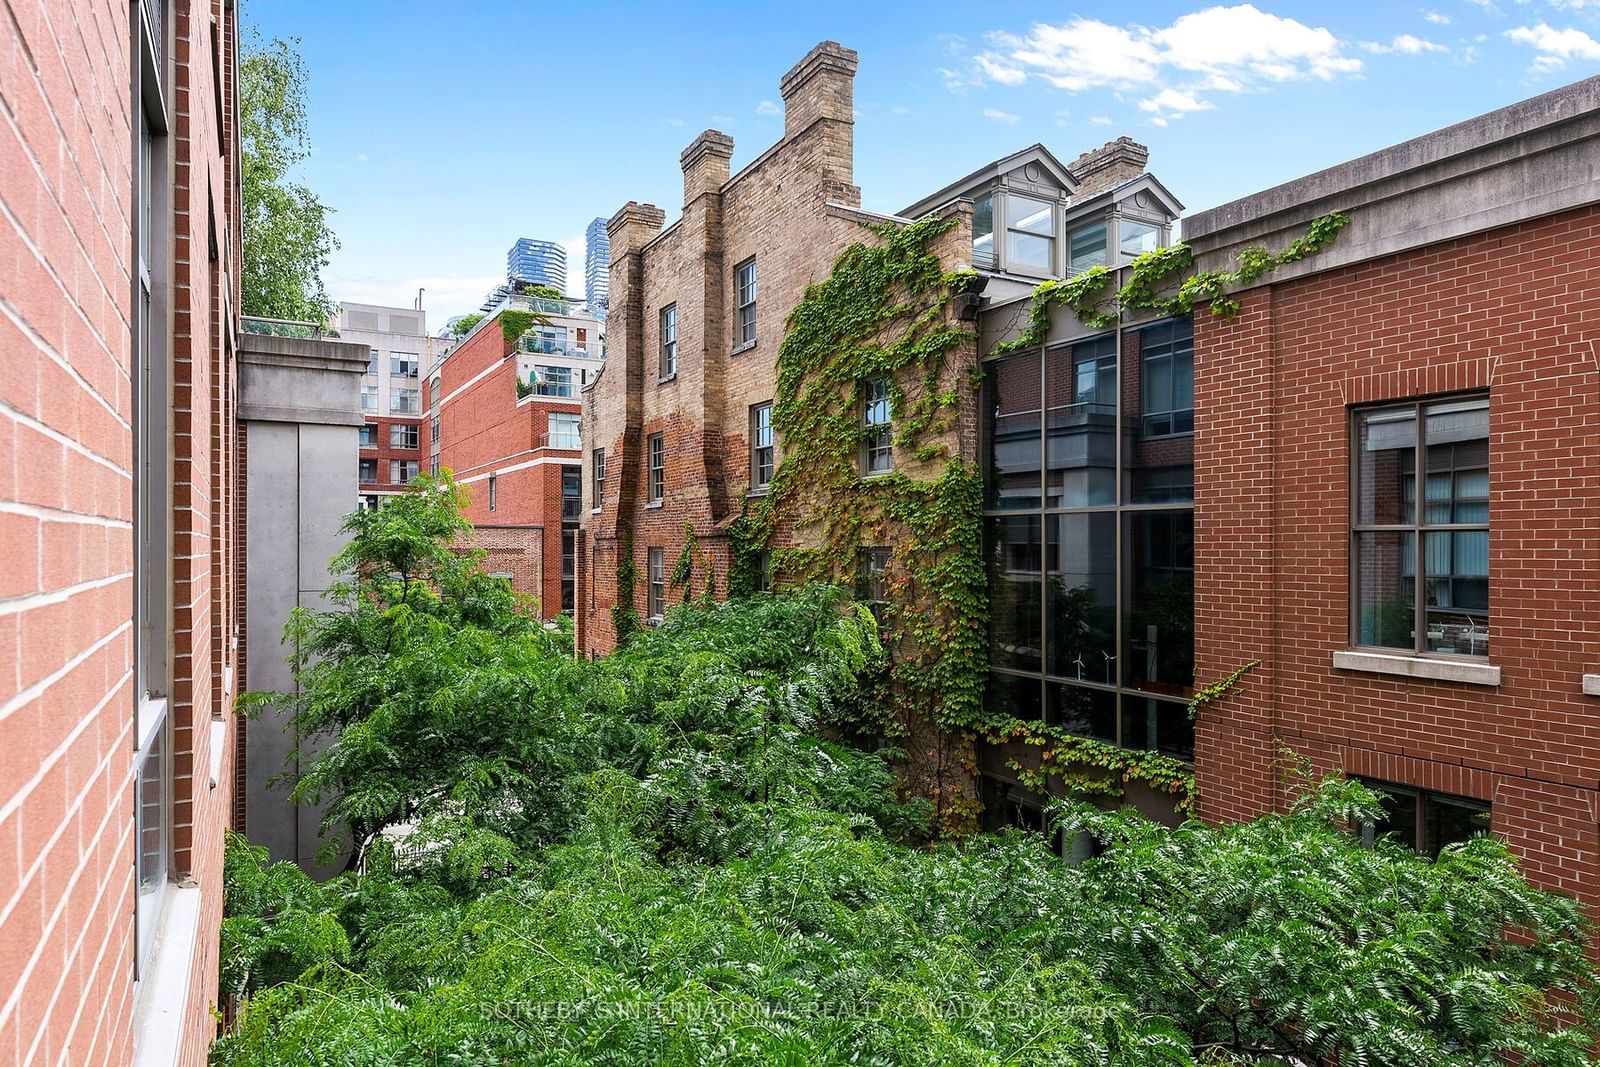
(441, 132)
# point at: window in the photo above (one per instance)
(599, 477)
(983, 231)
(152, 499)
(369, 398)
(658, 584)
(403, 435)
(405, 401)
(550, 340)
(1086, 247)
(433, 429)
(657, 467)
(571, 493)
(370, 502)
(1443, 604)
(764, 571)
(761, 451)
(494, 493)
(1134, 238)
(1424, 820)
(744, 286)
(1030, 235)
(1089, 544)
(369, 471)
(433, 463)
(878, 440)
(551, 381)
(372, 362)
(871, 587)
(369, 435)
(569, 568)
(1167, 373)
(668, 367)
(565, 430)
(403, 364)
(401, 471)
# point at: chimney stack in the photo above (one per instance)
(1111, 164)
(705, 164)
(820, 86)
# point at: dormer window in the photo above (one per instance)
(1086, 248)
(1030, 234)
(1136, 238)
(983, 231)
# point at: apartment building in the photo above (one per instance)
(596, 267)
(118, 614)
(504, 414)
(393, 448)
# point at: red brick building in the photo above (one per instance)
(119, 607)
(1398, 488)
(506, 411)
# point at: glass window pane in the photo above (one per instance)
(1011, 431)
(1084, 711)
(1157, 456)
(1030, 251)
(1161, 725)
(1400, 815)
(1386, 459)
(1007, 694)
(1014, 592)
(1081, 436)
(1029, 214)
(1458, 591)
(983, 231)
(1081, 596)
(1087, 248)
(1385, 590)
(1158, 616)
(1136, 238)
(1451, 820)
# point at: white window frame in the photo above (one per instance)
(667, 325)
(744, 304)
(656, 467)
(656, 571)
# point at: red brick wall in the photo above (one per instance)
(1512, 311)
(384, 452)
(66, 515)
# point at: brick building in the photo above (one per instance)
(394, 446)
(119, 607)
(504, 415)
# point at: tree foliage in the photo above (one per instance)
(669, 856)
(287, 240)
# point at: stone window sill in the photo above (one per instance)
(654, 504)
(665, 378)
(1420, 667)
(594, 511)
(1591, 685)
(752, 494)
(163, 992)
(737, 349)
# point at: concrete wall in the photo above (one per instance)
(299, 404)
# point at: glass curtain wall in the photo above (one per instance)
(1089, 535)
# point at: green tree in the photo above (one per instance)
(463, 324)
(287, 240)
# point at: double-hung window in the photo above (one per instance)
(761, 450)
(877, 455)
(369, 398)
(657, 467)
(668, 356)
(599, 478)
(744, 303)
(658, 584)
(1030, 235)
(1419, 544)
(871, 586)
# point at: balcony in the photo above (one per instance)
(536, 345)
(284, 328)
(561, 440)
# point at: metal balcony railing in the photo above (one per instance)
(284, 327)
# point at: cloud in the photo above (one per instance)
(1438, 18)
(767, 107)
(1099, 120)
(674, 122)
(900, 109)
(1555, 47)
(1171, 104)
(1217, 49)
(361, 157)
(1405, 44)
(997, 115)
(723, 120)
(447, 294)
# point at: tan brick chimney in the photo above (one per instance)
(1111, 164)
(820, 86)
(705, 164)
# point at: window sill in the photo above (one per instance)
(1591, 685)
(594, 511)
(163, 991)
(1420, 667)
(868, 476)
(664, 379)
(754, 493)
(654, 504)
(737, 349)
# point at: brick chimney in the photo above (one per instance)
(632, 226)
(1111, 164)
(820, 86)
(705, 164)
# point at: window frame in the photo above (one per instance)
(400, 361)
(763, 448)
(744, 304)
(411, 398)
(667, 343)
(871, 577)
(1417, 528)
(557, 438)
(494, 493)
(656, 468)
(407, 434)
(397, 470)
(1012, 201)
(877, 437)
(597, 460)
(1425, 799)
(656, 581)
(1090, 222)
(367, 435)
(1146, 413)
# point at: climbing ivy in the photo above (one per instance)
(624, 616)
(1158, 272)
(1214, 692)
(683, 570)
(882, 313)
(1083, 766)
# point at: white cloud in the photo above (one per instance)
(674, 122)
(1555, 47)
(1438, 18)
(1099, 120)
(1405, 44)
(767, 107)
(361, 157)
(447, 294)
(1574, 5)
(1217, 49)
(900, 109)
(996, 115)
(1171, 104)
(722, 119)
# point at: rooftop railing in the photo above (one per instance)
(284, 327)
